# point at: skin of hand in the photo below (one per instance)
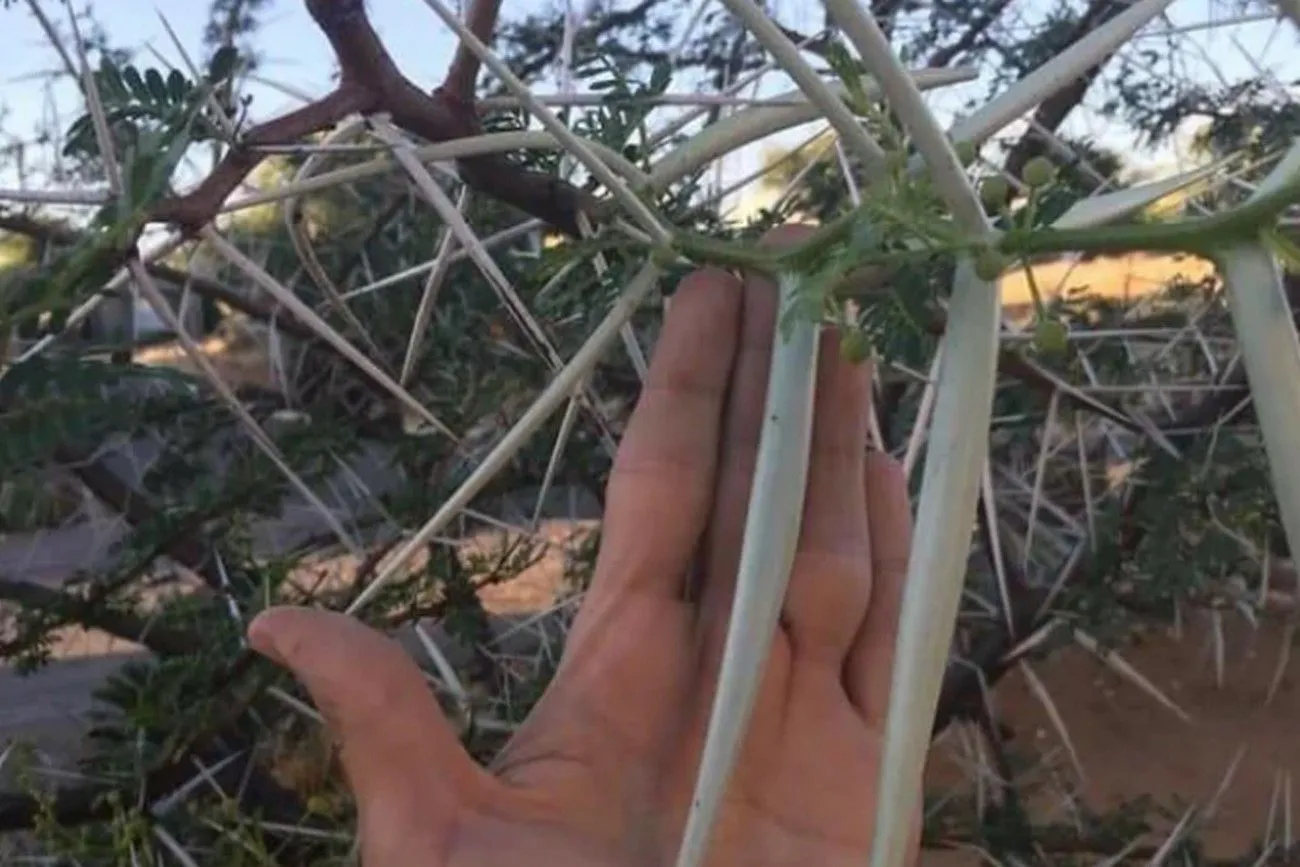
(602, 772)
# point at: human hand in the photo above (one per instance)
(602, 772)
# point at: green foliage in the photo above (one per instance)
(152, 121)
(152, 112)
(620, 121)
(51, 404)
(1202, 534)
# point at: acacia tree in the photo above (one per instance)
(353, 378)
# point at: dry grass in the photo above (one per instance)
(242, 361)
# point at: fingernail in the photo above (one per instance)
(261, 638)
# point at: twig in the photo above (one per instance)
(92, 614)
(462, 75)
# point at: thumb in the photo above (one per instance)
(397, 747)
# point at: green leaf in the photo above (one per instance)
(139, 172)
(178, 86)
(80, 137)
(864, 237)
(135, 83)
(157, 86)
(61, 283)
(165, 165)
(849, 71)
(110, 82)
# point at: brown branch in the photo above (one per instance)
(371, 83)
(462, 75)
(254, 308)
(198, 208)
(161, 640)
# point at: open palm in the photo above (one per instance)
(602, 771)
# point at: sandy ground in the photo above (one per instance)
(1128, 745)
(239, 363)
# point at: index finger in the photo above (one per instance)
(660, 492)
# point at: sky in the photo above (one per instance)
(296, 53)
(298, 56)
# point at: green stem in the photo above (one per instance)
(794, 259)
(1199, 236)
(1040, 310)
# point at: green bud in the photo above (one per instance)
(994, 192)
(966, 153)
(663, 257)
(989, 264)
(1039, 172)
(855, 347)
(1051, 336)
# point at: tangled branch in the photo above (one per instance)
(371, 83)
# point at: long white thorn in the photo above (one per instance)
(559, 390)
(1057, 72)
(617, 186)
(771, 536)
(429, 297)
(322, 329)
(832, 107)
(936, 569)
(1270, 351)
(480, 256)
(904, 97)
